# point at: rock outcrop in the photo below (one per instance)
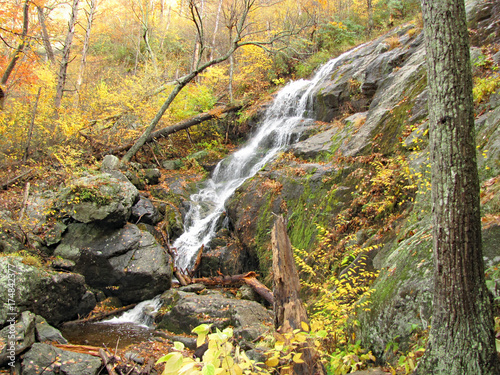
(127, 263)
(57, 296)
(184, 311)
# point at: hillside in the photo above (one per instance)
(353, 184)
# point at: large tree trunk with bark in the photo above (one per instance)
(461, 339)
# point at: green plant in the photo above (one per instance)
(221, 357)
(485, 86)
(81, 193)
(407, 362)
(349, 359)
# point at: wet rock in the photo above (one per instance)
(16, 337)
(127, 263)
(228, 260)
(55, 296)
(101, 198)
(484, 19)
(144, 212)
(45, 332)
(249, 318)
(315, 145)
(53, 361)
(61, 264)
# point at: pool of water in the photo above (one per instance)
(98, 334)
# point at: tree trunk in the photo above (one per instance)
(20, 47)
(289, 311)
(45, 36)
(185, 124)
(2, 99)
(61, 79)
(461, 339)
(90, 19)
(32, 125)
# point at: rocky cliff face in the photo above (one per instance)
(371, 130)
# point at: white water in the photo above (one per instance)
(288, 112)
(142, 314)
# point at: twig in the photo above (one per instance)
(11, 181)
(107, 362)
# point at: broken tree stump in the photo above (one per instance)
(289, 311)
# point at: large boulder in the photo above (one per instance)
(127, 263)
(56, 296)
(188, 310)
(99, 197)
(16, 337)
(49, 360)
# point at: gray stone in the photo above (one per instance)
(60, 264)
(315, 145)
(249, 318)
(100, 198)
(55, 234)
(152, 176)
(170, 165)
(17, 336)
(144, 212)
(110, 163)
(246, 292)
(45, 332)
(127, 263)
(53, 295)
(54, 361)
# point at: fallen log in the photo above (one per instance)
(249, 278)
(185, 124)
(82, 349)
(289, 311)
(5, 185)
(100, 316)
(260, 289)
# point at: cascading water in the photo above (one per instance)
(283, 118)
(142, 314)
(288, 112)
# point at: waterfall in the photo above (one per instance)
(288, 112)
(142, 314)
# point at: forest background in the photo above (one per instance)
(89, 76)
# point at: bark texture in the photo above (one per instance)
(289, 311)
(461, 339)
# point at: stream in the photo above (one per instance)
(290, 112)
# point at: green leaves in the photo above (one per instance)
(202, 332)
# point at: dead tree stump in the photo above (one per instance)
(289, 311)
